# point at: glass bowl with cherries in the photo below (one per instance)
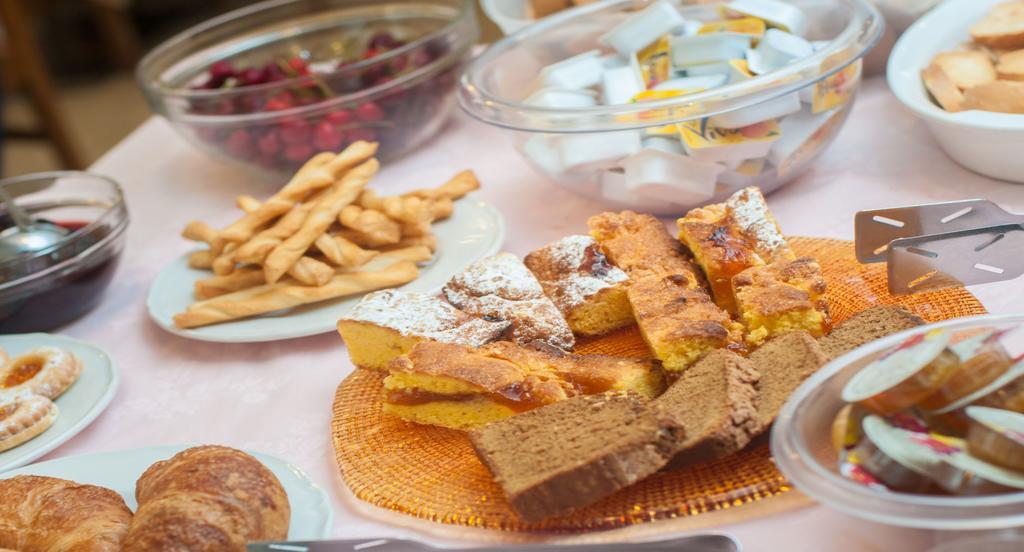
(272, 84)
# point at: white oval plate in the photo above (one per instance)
(312, 515)
(474, 231)
(79, 405)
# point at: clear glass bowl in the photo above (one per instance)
(43, 290)
(802, 445)
(494, 85)
(405, 93)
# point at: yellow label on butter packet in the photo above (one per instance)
(665, 112)
(836, 90)
(699, 134)
(745, 25)
(655, 61)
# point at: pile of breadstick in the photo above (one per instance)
(322, 236)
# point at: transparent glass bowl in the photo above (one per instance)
(802, 445)
(412, 85)
(494, 85)
(43, 290)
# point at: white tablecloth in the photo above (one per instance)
(276, 397)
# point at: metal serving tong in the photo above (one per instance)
(939, 245)
(711, 542)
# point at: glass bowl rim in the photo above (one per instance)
(156, 88)
(861, 33)
(120, 224)
(798, 465)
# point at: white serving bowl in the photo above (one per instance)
(983, 141)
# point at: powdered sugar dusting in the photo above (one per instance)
(751, 213)
(572, 270)
(502, 287)
(428, 316)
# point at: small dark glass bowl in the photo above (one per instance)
(46, 289)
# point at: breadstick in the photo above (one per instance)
(219, 285)
(416, 254)
(260, 245)
(346, 190)
(459, 185)
(427, 240)
(326, 173)
(375, 227)
(441, 208)
(342, 252)
(244, 228)
(199, 231)
(311, 272)
(247, 203)
(224, 264)
(202, 259)
(272, 297)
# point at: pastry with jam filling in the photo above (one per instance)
(461, 387)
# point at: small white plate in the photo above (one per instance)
(474, 231)
(79, 405)
(312, 515)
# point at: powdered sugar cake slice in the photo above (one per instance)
(500, 287)
(583, 284)
(387, 324)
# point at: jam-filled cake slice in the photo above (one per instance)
(462, 387)
(586, 288)
(387, 324)
(500, 287)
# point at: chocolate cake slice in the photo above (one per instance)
(867, 326)
(716, 401)
(564, 456)
(784, 362)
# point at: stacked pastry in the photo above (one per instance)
(207, 498)
(28, 386)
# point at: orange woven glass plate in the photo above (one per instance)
(432, 473)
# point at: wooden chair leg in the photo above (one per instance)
(25, 56)
(119, 35)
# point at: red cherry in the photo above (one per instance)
(298, 152)
(419, 58)
(270, 143)
(295, 131)
(342, 117)
(327, 137)
(369, 112)
(239, 143)
(253, 75)
(367, 134)
(382, 40)
(221, 70)
(299, 65)
(371, 53)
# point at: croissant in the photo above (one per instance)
(207, 498)
(49, 514)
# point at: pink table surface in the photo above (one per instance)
(276, 397)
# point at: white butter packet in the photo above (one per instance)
(620, 84)
(643, 28)
(704, 69)
(613, 190)
(562, 97)
(542, 151)
(770, 109)
(776, 50)
(601, 150)
(708, 48)
(777, 14)
(580, 71)
(703, 82)
(667, 144)
(671, 177)
(802, 133)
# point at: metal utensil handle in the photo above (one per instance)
(711, 542)
(875, 229)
